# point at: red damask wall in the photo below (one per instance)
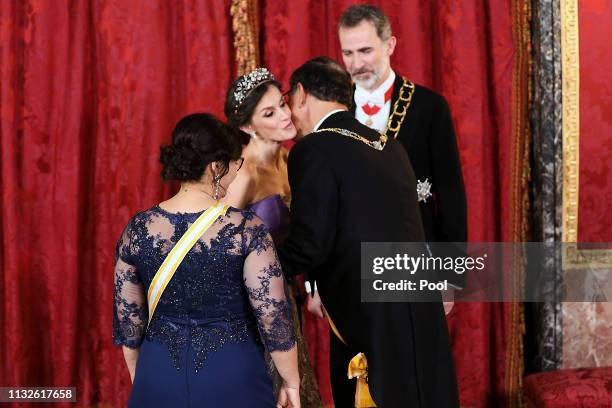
(586, 325)
(595, 191)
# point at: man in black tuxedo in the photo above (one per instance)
(350, 186)
(425, 130)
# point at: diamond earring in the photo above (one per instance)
(217, 180)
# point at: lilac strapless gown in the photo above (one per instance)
(275, 214)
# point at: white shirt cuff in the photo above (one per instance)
(309, 288)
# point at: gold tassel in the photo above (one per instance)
(246, 34)
(358, 368)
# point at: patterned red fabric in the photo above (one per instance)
(582, 388)
(465, 52)
(89, 90)
(595, 177)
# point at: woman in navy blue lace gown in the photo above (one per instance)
(203, 346)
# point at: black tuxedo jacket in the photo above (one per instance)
(428, 136)
(344, 193)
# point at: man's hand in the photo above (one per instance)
(314, 305)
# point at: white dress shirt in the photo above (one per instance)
(318, 125)
(377, 97)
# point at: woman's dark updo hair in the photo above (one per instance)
(198, 140)
(242, 115)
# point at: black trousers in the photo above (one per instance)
(343, 389)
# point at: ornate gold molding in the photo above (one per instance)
(245, 24)
(570, 71)
(575, 257)
(570, 59)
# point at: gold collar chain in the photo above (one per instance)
(399, 109)
(397, 116)
(376, 144)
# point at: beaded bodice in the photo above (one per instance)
(228, 288)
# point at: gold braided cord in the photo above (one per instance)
(519, 194)
(245, 26)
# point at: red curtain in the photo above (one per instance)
(89, 90)
(467, 52)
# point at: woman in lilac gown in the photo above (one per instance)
(255, 105)
(204, 346)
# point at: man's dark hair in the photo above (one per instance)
(325, 79)
(357, 13)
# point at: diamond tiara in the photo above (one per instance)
(249, 82)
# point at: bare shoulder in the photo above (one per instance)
(251, 175)
(240, 192)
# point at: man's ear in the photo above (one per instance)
(300, 94)
(391, 43)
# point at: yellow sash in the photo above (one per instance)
(176, 255)
(357, 368)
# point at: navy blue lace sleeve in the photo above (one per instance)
(264, 282)
(130, 312)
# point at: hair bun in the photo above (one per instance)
(182, 162)
(198, 140)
